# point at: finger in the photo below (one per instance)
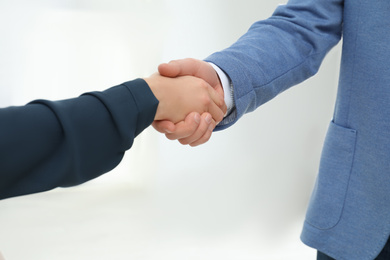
(219, 89)
(164, 126)
(185, 128)
(206, 120)
(217, 108)
(183, 67)
(168, 70)
(217, 97)
(206, 137)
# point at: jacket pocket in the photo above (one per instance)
(327, 201)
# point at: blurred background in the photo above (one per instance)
(243, 195)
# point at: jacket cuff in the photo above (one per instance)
(145, 101)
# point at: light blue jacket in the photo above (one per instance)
(349, 211)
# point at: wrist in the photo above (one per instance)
(154, 87)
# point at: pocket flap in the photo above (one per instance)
(327, 201)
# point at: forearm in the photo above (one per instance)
(47, 144)
(280, 52)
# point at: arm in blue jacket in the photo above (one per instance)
(46, 144)
(279, 52)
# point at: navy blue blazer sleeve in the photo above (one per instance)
(46, 144)
(279, 52)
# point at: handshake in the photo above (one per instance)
(191, 100)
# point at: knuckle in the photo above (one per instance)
(219, 117)
(221, 102)
(206, 138)
(191, 128)
(203, 84)
(183, 141)
(170, 137)
(190, 59)
(206, 101)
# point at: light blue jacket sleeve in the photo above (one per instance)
(279, 52)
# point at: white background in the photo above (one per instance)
(241, 196)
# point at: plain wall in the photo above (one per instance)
(243, 195)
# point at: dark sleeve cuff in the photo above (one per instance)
(145, 101)
(132, 106)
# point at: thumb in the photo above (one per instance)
(183, 67)
(171, 69)
(164, 126)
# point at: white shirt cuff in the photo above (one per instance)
(227, 88)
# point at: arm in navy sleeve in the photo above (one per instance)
(279, 52)
(47, 144)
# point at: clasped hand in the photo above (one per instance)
(191, 100)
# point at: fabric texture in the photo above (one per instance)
(49, 144)
(383, 255)
(349, 211)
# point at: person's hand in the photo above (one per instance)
(182, 95)
(195, 130)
